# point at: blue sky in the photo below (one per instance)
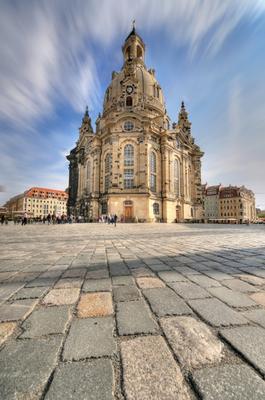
(57, 56)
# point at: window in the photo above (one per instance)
(128, 126)
(139, 52)
(128, 177)
(88, 176)
(108, 169)
(128, 155)
(104, 207)
(153, 171)
(176, 177)
(156, 209)
(129, 101)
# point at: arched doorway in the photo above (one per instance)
(177, 213)
(128, 210)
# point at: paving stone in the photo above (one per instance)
(164, 301)
(30, 293)
(82, 380)
(149, 370)
(42, 281)
(139, 272)
(6, 329)
(118, 269)
(95, 305)
(218, 275)
(75, 273)
(8, 289)
(259, 298)
(189, 290)
(126, 293)
(171, 276)
(257, 316)
(239, 286)
(217, 313)
(159, 267)
(134, 317)
(254, 280)
(16, 311)
(122, 281)
(90, 337)
(192, 341)
(60, 297)
(249, 341)
(68, 283)
(232, 298)
(25, 367)
(229, 382)
(99, 274)
(149, 282)
(97, 285)
(46, 321)
(204, 281)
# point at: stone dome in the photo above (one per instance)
(134, 81)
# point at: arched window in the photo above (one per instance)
(156, 208)
(139, 52)
(153, 171)
(128, 155)
(176, 177)
(128, 53)
(88, 176)
(108, 169)
(128, 177)
(129, 101)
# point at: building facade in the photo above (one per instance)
(38, 202)
(136, 164)
(211, 202)
(237, 203)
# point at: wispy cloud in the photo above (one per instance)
(48, 60)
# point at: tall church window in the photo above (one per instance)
(88, 176)
(128, 155)
(108, 168)
(128, 166)
(129, 101)
(153, 171)
(176, 177)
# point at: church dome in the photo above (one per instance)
(134, 85)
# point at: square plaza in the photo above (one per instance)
(137, 311)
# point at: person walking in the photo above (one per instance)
(25, 219)
(2, 219)
(115, 219)
(49, 218)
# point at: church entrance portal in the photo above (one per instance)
(128, 210)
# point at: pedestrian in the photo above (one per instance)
(49, 218)
(2, 219)
(25, 219)
(115, 219)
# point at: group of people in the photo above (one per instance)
(109, 219)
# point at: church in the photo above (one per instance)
(136, 164)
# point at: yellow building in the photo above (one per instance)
(237, 204)
(38, 202)
(137, 164)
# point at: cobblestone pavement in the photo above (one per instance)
(140, 311)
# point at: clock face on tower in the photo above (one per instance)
(129, 89)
